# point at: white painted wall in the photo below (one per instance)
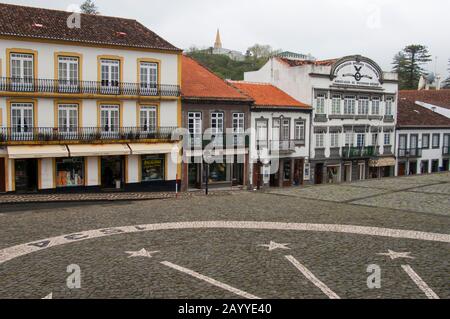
(427, 154)
(47, 173)
(169, 62)
(297, 82)
(92, 171)
(133, 168)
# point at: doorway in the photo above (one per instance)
(412, 168)
(26, 175)
(194, 175)
(2, 175)
(401, 169)
(238, 172)
(112, 168)
(298, 172)
(424, 167)
(318, 174)
(446, 164)
(257, 176)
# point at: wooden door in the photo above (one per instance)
(401, 169)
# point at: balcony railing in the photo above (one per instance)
(446, 150)
(358, 152)
(284, 146)
(410, 152)
(13, 135)
(220, 141)
(29, 85)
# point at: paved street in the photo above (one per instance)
(312, 242)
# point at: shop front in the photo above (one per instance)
(26, 175)
(70, 172)
(112, 172)
(153, 168)
(382, 167)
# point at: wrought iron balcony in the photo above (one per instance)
(410, 152)
(281, 146)
(224, 141)
(29, 85)
(358, 152)
(22, 135)
(446, 151)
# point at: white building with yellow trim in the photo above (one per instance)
(86, 107)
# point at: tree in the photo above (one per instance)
(260, 51)
(408, 64)
(89, 7)
(447, 81)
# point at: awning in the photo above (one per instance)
(157, 148)
(98, 150)
(37, 151)
(381, 162)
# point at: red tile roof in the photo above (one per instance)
(436, 97)
(293, 63)
(268, 95)
(412, 115)
(198, 82)
(30, 22)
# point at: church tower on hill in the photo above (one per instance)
(218, 43)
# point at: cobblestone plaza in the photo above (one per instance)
(313, 242)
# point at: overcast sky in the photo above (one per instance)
(324, 28)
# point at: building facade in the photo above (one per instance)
(217, 117)
(422, 139)
(279, 144)
(354, 116)
(88, 108)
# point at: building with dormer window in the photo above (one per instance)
(354, 113)
(86, 107)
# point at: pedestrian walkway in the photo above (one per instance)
(84, 197)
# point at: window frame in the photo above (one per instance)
(438, 140)
(352, 106)
(427, 135)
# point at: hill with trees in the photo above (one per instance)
(227, 68)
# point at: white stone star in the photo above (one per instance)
(394, 255)
(141, 253)
(273, 245)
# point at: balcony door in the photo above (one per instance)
(149, 78)
(68, 77)
(148, 118)
(217, 128)
(22, 120)
(402, 142)
(360, 140)
(22, 71)
(446, 143)
(109, 120)
(413, 144)
(110, 75)
(67, 118)
(195, 127)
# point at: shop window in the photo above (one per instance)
(153, 168)
(217, 172)
(69, 172)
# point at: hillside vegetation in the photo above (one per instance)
(227, 68)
